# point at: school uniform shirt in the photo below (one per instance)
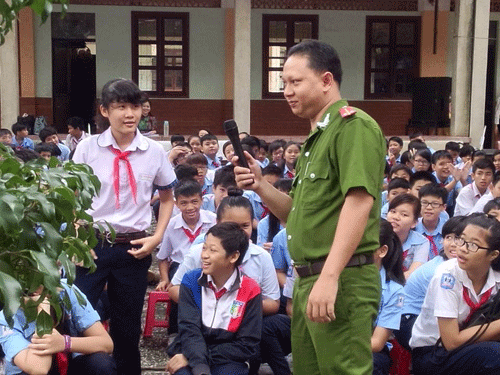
(391, 303)
(149, 166)
(383, 196)
(279, 251)
(264, 163)
(65, 151)
(72, 142)
(208, 203)
(398, 160)
(415, 249)
(257, 264)
(291, 276)
(178, 237)
(259, 209)
(217, 327)
(213, 164)
(287, 173)
(208, 182)
(16, 339)
(263, 231)
(384, 210)
(479, 206)
(417, 284)
(26, 143)
(452, 194)
(467, 198)
(435, 237)
(445, 299)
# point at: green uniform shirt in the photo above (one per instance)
(340, 154)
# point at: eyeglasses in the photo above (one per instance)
(432, 204)
(471, 246)
(421, 161)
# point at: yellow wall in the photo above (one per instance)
(433, 65)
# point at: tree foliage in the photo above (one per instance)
(40, 208)
(9, 9)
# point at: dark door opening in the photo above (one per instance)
(490, 99)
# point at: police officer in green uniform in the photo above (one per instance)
(332, 217)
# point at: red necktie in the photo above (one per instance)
(218, 294)
(191, 236)
(266, 210)
(116, 174)
(405, 253)
(434, 248)
(62, 363)
(216, 164)
(475, 306)
(289, 174)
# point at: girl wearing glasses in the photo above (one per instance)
(441, 344)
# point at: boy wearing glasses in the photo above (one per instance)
(433, 216)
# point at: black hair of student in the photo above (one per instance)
(441, 154)
(225, 177)
(414, 135)
(17, 127)
(422, 175)
(46, 132)
(264, 145)
(234, 199)
(244, 133)
(433, 190)
(196, 159)
(76, 123)
(224, 146)
(492, 225)
(497, 152)
(208, 137)
(387, 169)
(397, 183)
(272, 170)
(407, 198)
(232, 238)
(5, 132)
(118, 90)
(393, 260)
(192, 137)
(494, 204)
(177, 138)
(396, 139)
(322, 57)
(496, 177)
(284, 185)
(405, 157)
(251, 141)
(417, 145)
(478, 154)
(425, 153)
(26, 154)
(185, 172)
(289, 144)
(467, 150)
(48, 147)
(454, 225)
(248, 149)
(452, 146)
(400, 167)
(484, 163)
(276, 145)
(187, 188)
(185, 144)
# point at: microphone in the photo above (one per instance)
(231, 130)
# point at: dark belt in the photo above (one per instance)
(315, 268)
(122, 237)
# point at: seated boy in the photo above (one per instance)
(453, 148)
(47, 150)
(80, 335)
(220, 315)
(210, 147)
(482, 175)
(492, 208)
(396, 187)
(394, 150)
(403, 216)
(272, 174)
(430, 225)
(21, 139)
(76, 132)
(223, 181)
(419, 179)
(493, 193)
(49, 135)
(205, 176)
(6, 137)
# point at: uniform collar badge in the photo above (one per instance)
(323, 124)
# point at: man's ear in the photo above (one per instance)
(104, 111)
(327, 79)
(234, 257)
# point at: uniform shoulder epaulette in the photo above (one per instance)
(347, 111)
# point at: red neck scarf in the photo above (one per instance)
(434, 248)
(191, 236)
(116, 174)
(475, 306)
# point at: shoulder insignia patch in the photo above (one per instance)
(447, 281)
(236, 309)
(346, 111)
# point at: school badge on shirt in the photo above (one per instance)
(447, 281)
(236, 309)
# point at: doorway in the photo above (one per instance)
(73, 68)
(491, 73)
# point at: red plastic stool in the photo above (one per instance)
(401, 359)
(151, 322)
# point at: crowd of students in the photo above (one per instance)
(223, 256)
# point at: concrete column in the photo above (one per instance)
(462, 67)
(9, 79)
(242, 53)
(479, 68)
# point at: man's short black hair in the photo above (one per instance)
(276, 145)
(422, 175)
(232, 238)
(187, 188)
(433, 190)
(441, 154)
(417, 145)
(225, 177)
(17, 127)
(251, 141)
(494, 204)
(466, 150)
(452, 146)
(397, 183)
(483, 163)
(177, 138)
(399, 167)
(185, 172)
(5, 132)
(77, 123)
(322, 57)
(46, 132)
(396, 139)
(208, 137)
(272, 170)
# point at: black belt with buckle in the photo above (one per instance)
(357, 260)
(121, 237)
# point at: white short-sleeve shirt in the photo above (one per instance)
(149, 165)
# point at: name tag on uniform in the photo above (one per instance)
(146, 177)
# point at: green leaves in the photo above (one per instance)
(43, 226)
